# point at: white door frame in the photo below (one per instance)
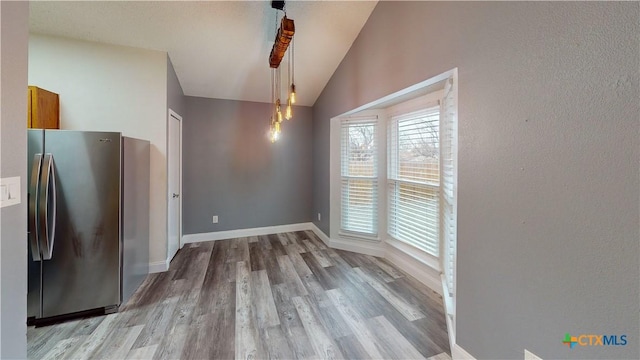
(176, 116)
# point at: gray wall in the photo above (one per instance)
(230, 168)
(13, 160)
(548, 160)
(175, 96)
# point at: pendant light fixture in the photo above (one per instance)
(283, 38)
(274, 130)
(291, 99)
(292, 89)
(278, 89)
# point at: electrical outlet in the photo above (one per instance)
(319, 217)
(215, 219)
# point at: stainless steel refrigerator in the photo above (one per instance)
(88, 221)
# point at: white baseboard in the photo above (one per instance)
(422, 272)
(448, 310)
(459, 353)
(325, 239)
(231, 234)
(359, 246)
(158, 266)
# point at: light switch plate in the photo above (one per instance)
(9, 191)
(215, 219)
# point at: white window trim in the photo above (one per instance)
(336, 177)
(383, 238)
(374, 179)
(383, 115)
(430, 100)
(449, 294)
(429, 105)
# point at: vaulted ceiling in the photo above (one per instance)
(219, 49)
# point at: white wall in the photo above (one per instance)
(111, 88)
(13, 155)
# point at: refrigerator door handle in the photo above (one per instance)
(48, 207)
(33, 207)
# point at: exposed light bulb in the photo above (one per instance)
(292, 97)
(288, 112)
(274, 134)
(277, 130)
(272, 131)
(278, 111)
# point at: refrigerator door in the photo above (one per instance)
(34, 167)
(83, 272)
(135, 214)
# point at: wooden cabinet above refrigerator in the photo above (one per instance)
(43, 109)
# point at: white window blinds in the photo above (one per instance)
(448, 159)
(359, 177)
(414, 179)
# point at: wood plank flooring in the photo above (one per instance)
(280, 296)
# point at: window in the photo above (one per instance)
(414, 178)
(359, 177)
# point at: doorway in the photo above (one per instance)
(174, 186)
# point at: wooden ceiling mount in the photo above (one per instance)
(283, 38)
(278, 5)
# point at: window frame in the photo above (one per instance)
(429, 102)
(383, 115)
(372, 118)
(335, 184)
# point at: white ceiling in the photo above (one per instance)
(219, 49)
